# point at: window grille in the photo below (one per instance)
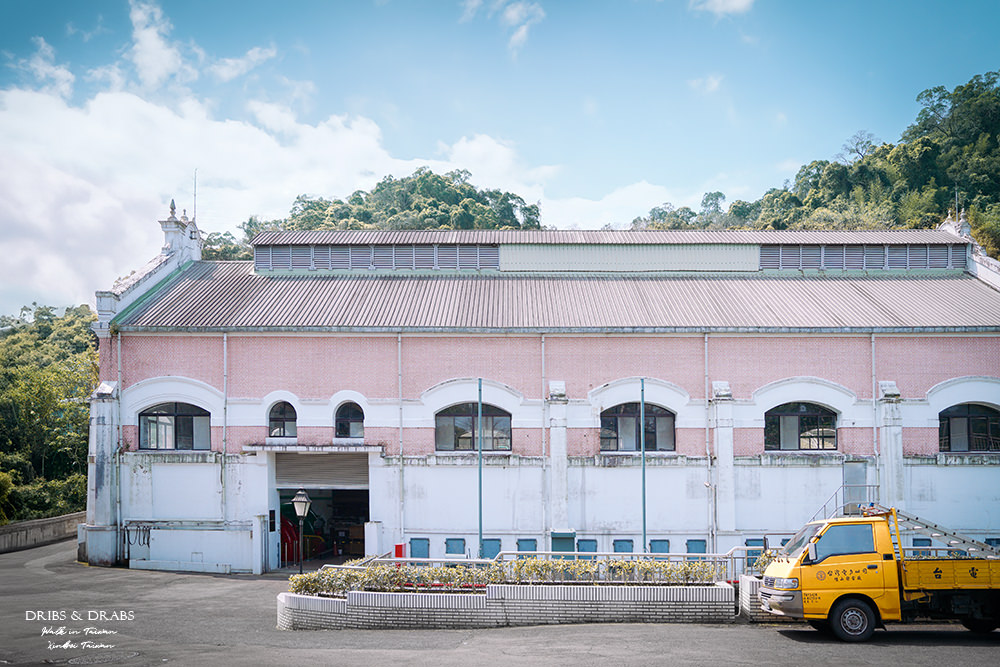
(403, 257)
(340, 257)
(770, 257)
(262, 258)
(854, 257)
(423, 257)
(280, 258)
(811, 256)
(790, 256)
(447, 257)
(897, 257)
(958, 255)
(383, 257)
(874, 257)
(937, 257)
(301, 257)
(321, 257)
(468, 257)
(833, 257)
(361, 257)
(917, 256)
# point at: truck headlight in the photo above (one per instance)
(786, 583)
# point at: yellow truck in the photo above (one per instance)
(849, 575)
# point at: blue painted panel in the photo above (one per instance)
(586, 546)
(454, 546)
(491, 548)
(527, 544)
(420, 547)
(622, 546)
(696, 546)
(659, 546)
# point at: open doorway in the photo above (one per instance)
(334, 529)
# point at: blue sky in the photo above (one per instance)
(597, 110)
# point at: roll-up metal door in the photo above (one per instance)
(321, 471)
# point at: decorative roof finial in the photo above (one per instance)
(173, 210)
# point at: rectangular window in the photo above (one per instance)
(845, 539)
(454, 546)
(854, 257)
(403, 257)
(917, 257)
(444, 432)
(874, 257)
(811, 256)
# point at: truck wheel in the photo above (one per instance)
(852, 620)
(980, 626)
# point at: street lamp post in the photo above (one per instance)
(301, 503)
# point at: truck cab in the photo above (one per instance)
(839, 574)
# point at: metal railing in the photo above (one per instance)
(597, 567)
(848, 500)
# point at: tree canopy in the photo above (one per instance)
(423, 200)
(48, 368)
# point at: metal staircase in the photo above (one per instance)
(951, 538)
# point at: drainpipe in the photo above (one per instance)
(708, 454)
(399, 382)
(545, 432)
(225, 418)
(878, 472)
(642, 447)
(479, 443)
(118, 456)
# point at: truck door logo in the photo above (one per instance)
(973, 572)
(820, 575)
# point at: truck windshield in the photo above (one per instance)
(800, 540)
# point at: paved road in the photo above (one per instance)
(193, 619)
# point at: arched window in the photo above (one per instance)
(969, 428)
(800, 426)
(175, 426)
(281, 421)
(350, 421)
(456, 428)
(620, 428)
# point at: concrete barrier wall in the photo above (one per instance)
(34, 533)
(509, 605)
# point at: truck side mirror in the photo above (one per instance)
(811, 549)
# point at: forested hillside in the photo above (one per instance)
(950, 152)
(48, 368)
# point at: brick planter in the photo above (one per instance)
(509, 605)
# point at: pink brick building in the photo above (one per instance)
(641, 391)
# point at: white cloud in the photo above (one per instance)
(52, 78)
(517, 16)
(722, 7)
(469, 9)
(618, 207)
(156, 59)
(708, 84)
(82, 183)
(228, 69)
(789, 165)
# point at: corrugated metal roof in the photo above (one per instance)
(229, 296)
(671, 237)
